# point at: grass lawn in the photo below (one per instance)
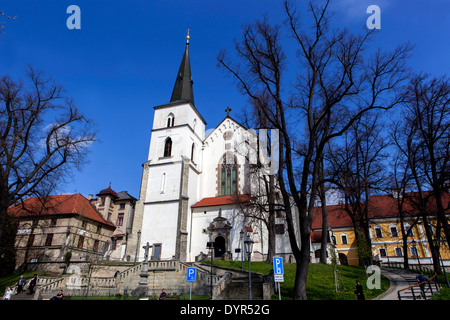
(12, 279)
(320, 283)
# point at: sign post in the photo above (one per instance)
(191, 276)
(278, 274)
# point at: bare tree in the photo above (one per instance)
(428, 116)
(43, 137)
(422, 138)
(335, 87)
(357, 167)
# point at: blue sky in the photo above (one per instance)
(124, 60)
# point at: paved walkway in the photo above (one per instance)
(399, 279)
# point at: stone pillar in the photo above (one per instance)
(183, 207)
(142, 289)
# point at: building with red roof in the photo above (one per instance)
(386, 230)
(50, 227)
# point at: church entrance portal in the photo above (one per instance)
(219, 249)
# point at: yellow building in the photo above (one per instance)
(386, 232)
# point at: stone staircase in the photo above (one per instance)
(228, 284)
(413, 291)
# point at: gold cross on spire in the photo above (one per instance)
(228, 109)
(188, 37)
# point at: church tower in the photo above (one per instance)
(171, 176)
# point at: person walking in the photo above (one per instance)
(8, 294)
(359, 291)
(421, 279)
(20, 284)
(32, 284)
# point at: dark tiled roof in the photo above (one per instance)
(108, 191)
(58, 204)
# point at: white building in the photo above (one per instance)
(191, 182)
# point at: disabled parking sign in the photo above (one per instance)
(278, 269)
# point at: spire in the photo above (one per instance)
(183, 89)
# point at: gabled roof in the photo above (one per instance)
(57, 205)
(221, 201)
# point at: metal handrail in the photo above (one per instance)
(434, 277)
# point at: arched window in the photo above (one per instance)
(168, 148)
(170, 120)
(227, 184)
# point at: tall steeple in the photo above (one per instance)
(183, 89)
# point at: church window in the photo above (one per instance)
(170, 120)
(228, 135)
(168, 148)
(192, 152)
(163, 182)
(228, 176)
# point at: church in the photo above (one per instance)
(196, 186)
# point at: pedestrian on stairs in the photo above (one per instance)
(20, 284)
(32, 284)
(422, 279)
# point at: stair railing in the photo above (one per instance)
(430, 282)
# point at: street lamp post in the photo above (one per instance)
(416, 252)
(137, 244)
(242, 250)
(210, 246)
(387, 256)
(249, 249)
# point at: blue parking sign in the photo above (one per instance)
(277, 265)
(191, 274)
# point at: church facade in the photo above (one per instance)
(196, 187)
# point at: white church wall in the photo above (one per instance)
(158, 227)
(202, 218)
(182, 114)
(163, 182)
